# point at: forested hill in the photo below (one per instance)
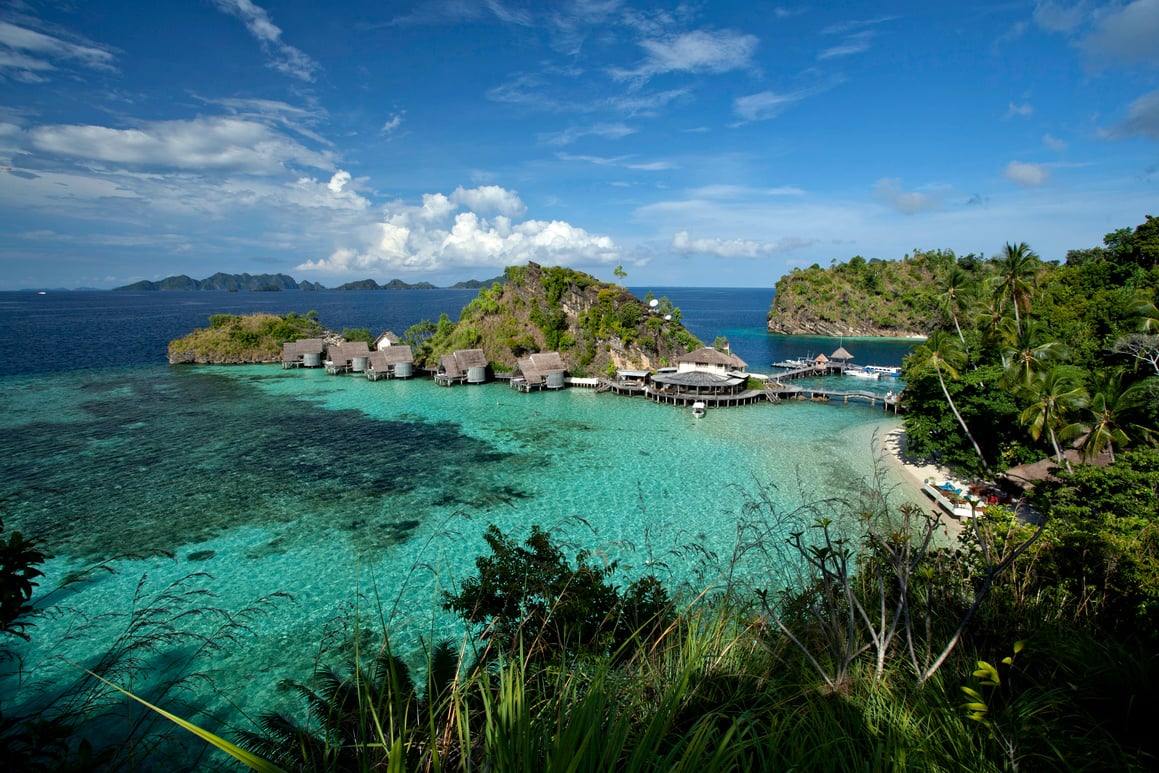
(861, 297)
(597, 327)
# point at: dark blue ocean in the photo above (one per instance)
(298, 505)
(79, 330)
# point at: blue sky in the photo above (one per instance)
(701, 143)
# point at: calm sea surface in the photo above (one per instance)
(360, 500)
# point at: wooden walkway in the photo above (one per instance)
(830, 395)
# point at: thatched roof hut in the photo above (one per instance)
(841, 354)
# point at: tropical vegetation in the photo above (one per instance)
(234, 338)
(844, 634)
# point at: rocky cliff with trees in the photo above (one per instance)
(596, 326)
(862, 297)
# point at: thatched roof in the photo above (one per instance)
(397, 354)
(709, 356)
(1026, 475)
(548, 362)
(385, 340)
(698, 379)
(820, 358)
(841, 354)
(526, 369)
(471, 358)
(449, 366)
(345, 352)
(376, 362)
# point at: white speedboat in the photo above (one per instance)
(699, 409)
(861, 373)
(885, 370)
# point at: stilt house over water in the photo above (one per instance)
(348, 357)
(465, 366)
(542, 370)
(303, 353)
(391, 362)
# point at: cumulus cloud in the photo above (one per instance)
(683, 243)
(224, 144)
(888, 190)
(26, 54)
(1127, 33)
(1142, 119)
(1026, 174)
(698, 51)
(451, 232)
(283, 57)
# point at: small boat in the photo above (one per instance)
(861, 373)
(885, 370)
(699, 409)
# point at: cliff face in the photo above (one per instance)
(596, 327)
(860, 298)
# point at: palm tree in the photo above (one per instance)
(1110, 406)
(955, 291)
(1057, 392)
(1026, 352)
(1016, 268)
(943, 355)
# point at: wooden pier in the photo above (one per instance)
(888, 403)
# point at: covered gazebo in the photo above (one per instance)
(841, 354)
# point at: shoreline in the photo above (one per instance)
(914, 474)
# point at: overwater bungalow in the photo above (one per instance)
(465, 366)
(348, 357)
(542, 370)
(303, 353)
(395, 361)
(704, 375)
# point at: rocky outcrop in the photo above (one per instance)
(596, 327)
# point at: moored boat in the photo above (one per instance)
(861, 373)
(699, 409)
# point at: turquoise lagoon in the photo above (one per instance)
(348, 494)
(308, 506)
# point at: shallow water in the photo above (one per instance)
(335, 489)
(364, 501)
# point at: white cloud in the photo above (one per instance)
(1142, 119)
(393, 122)
(742, 191)
(888, 190)
(612, 131)
(229, 144)
(698, 51)
(765, 105)
(1026, 174)
(683, 243)
(854, 44)
(1054, 143)
(1060, 17)
(1024, 110)
(1127, 33)
(30, 53)
(284, 57)
(437, 235)
(490, 199)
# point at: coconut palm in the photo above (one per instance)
(952, 298)
(1058, 393)
(944, 355)
(1111, 405)
(1027, 351)
(1014, 277)
(1146, 314)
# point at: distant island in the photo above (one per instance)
(259, 283)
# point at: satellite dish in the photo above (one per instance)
(653, 303)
